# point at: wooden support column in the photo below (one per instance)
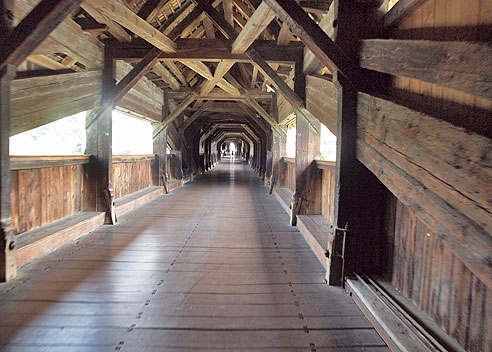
(345, 178)
(159, 169)
(358, 194)
(307, 196)
(8, 266)
(269, 158)
(99, 144)
(278, 151)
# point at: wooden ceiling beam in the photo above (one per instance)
(301, 25)
(256, 24)
(284, 35)
(46, 62)
(177, 72)
(254, 77)
(166, 76)
(228, 13)
(209, 28)
(401, 10)
(282, 87)
(175, 113)
(114, 28)
(150, 7)
(33, 29)
(202, 69)
(210, 50)
(219, 94)
(187, 123)
(167, 26)
(128, 19)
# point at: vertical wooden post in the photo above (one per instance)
(307, 196)
(345, 178)
(99, 144)
(8, 266)
(269, 159)
(159, 172)
(358, 194)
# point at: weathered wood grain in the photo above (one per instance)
(41, 100)
(67, 38)
(464, 66)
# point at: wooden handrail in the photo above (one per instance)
(326, 165)
(288, 159)
(25, 162)
(132, 158)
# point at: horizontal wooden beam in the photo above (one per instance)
(40, 100)
(33, 29)
(209, 50)
(39, 162)
(463, 66)
(219, 94)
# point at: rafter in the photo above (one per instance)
(166, 76)
(118, 12)
(177, 72)
(114, 28)
(315, 39)
(256, 24)
(33, 29)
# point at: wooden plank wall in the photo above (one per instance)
(426, 271)
(40, 100)
(465, 20)
(172, 162)
(290, 177)
(328, 194)
(423, 268)
(42, 195)
(130, 177)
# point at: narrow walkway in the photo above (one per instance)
(213, 266)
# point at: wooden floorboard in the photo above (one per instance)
(212, 266)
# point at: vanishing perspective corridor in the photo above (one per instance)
(212, 266)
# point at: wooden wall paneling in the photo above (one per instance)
(45, 197)
(14, 199)
(427, 271)
(40, 100)
(328, 194)
(144, 99)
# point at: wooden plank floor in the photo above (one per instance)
(214, 266)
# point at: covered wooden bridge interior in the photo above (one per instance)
(388, 247)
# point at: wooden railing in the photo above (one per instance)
(46, 188)
(131, 173)
(327, 188)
